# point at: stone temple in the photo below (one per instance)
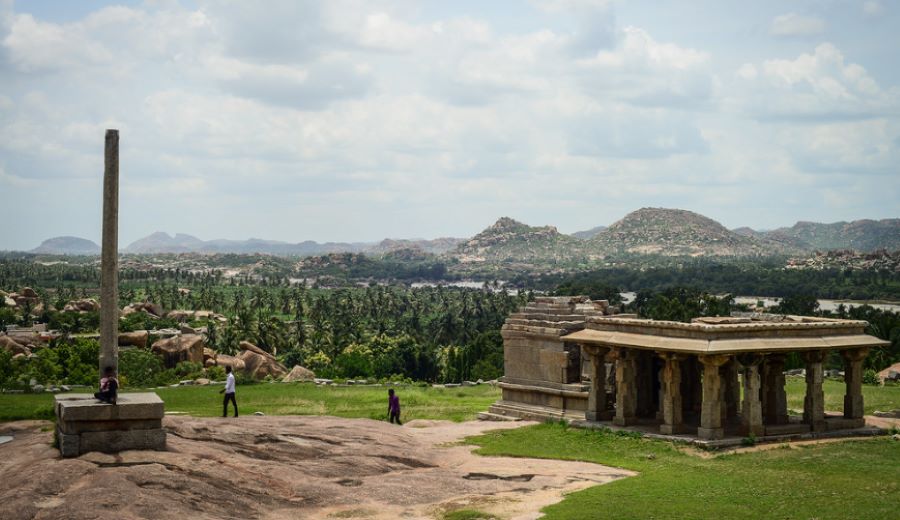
(715, 378)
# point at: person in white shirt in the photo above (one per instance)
(229, 393)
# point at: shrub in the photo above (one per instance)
(870, 377)
(189, 370)
(215, 373)
(142, 367)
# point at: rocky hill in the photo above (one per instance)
(881, 260)
(161, 242)
(67, 246)
(436, 247)
(860, 235)
(508, 240)
(675, 232)
(590, 233)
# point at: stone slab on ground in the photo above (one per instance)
(84, 424)
(84, 407)
(285, 467)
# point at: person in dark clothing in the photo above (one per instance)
(229, 393)
(109, 386)
(394, 407)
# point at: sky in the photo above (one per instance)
(356, 120)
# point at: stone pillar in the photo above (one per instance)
(597, 409)
(626, 387)
(713, 394)
(670, 398)
(775, 409)
(109, 261)
(853, 399)
(644, 375)
(732, 391)
(814, 402)
(751, 408)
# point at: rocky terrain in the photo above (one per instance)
(859, 235)
(281, 468)
(671, 232)
(675, 232)
(510, 240)
(67, 246)
(875, 261)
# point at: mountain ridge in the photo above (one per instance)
(644, 231)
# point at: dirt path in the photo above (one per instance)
(285, 467)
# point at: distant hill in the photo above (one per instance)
(508, 240)
(860, 235)
(161, 242)
(675, 232)
(436, 247)
(67, 246)
(590, 233)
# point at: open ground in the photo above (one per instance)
(273, 467)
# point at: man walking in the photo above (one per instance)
(229, 393)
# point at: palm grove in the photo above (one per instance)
(371, 331)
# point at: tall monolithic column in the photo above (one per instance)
(626, 387)
(670, 402)
(109, 261)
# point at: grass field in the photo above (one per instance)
(842, 480)
(850, 479)
(455, 404)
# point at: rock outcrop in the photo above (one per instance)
(146, 307)
(138, 338)
(299, 373)
(13, 347)
(259, 363)
(82, 305)
(186, 347)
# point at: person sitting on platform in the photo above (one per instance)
(109, 386)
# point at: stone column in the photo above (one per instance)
(713, 393)
(814, 402)
(776, 399)
(751, 408)
(853, 399)
(109, 261)
(626, 387)
(670, 399)
(732, 390)
(597, 405)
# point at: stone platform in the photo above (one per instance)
(85, 424)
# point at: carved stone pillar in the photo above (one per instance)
(853, 399)
(751, 407)
(711, 410)
(814, 402)
(597, 409)
(775, 409)
(670, 398)
(626, 387)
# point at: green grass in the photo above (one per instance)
(852, 479)
(468, 514)
(455, 404)
(882, 398)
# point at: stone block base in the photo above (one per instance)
(711, 433)
(84, 424)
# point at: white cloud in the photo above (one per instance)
(793, 24)
(817, 86)
(872, 8)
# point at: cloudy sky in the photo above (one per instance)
(356, 120)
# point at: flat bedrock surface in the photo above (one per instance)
(281, 467)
